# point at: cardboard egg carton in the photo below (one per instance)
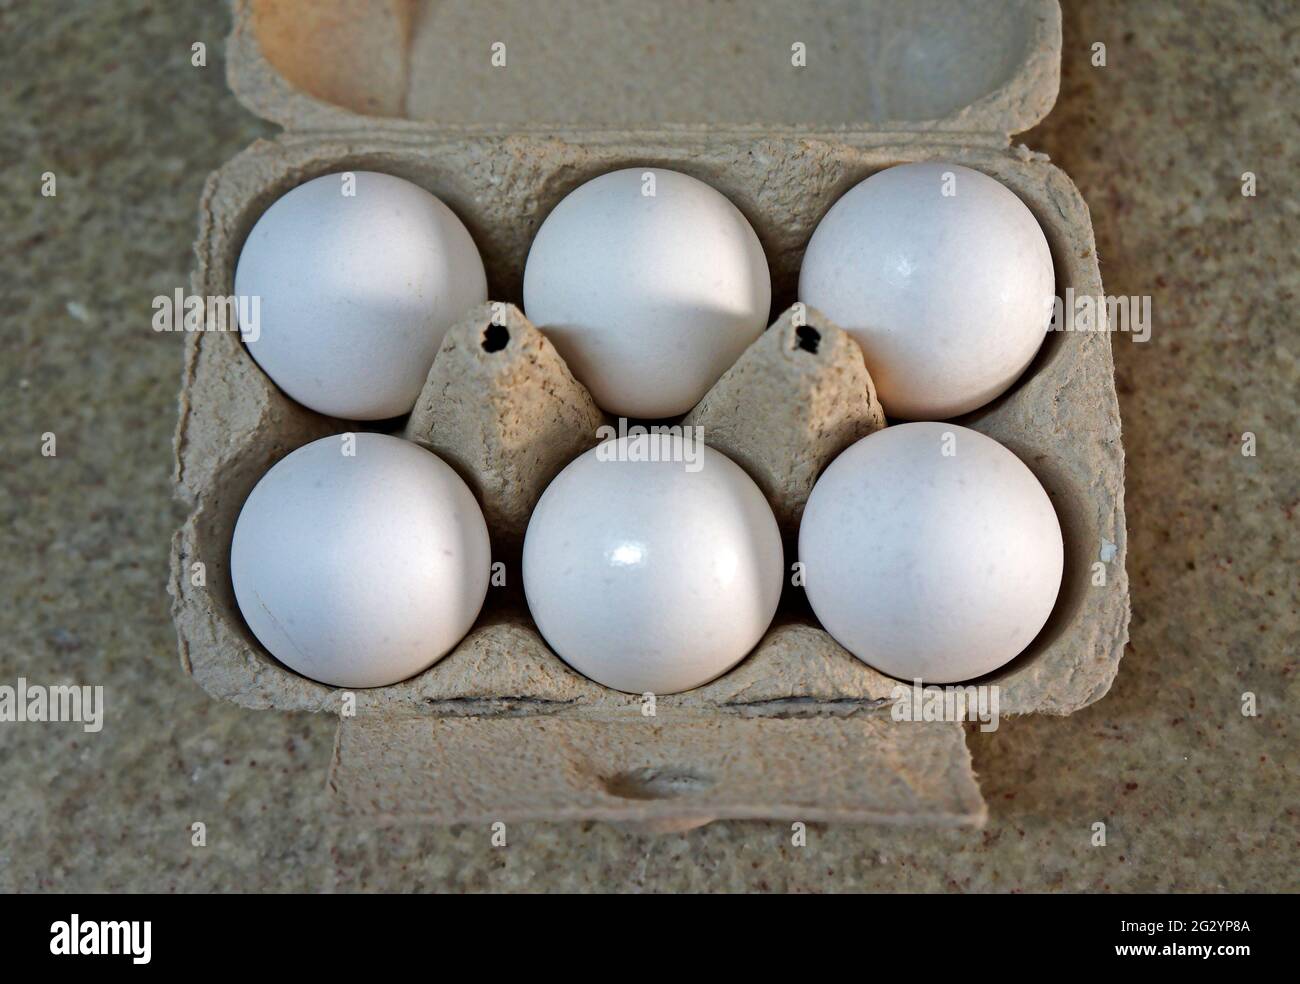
(501, 729)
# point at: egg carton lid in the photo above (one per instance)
(655, 775)
(842, 66)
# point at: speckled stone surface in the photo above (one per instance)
(1196, 797)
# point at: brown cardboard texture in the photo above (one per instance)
(501, 728)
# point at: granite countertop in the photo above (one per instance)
(1196, 796)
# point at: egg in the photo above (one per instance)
(360, 569)
(943, 277)
(650, 284)
(358, 277)
(648, 572)
(930, 551)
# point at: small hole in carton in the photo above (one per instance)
(495, 338)
(808, 338)
(654, 784)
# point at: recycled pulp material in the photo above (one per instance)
(501, 728)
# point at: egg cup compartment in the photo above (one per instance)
(501, 728)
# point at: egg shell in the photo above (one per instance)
(930, 551)
(649, 577)
(945, 279)
(356, 291)
(648, 297)
(360, 570)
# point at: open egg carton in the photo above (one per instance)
(501, 729)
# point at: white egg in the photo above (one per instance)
(652, 576)
(650, 284)
(360, 570)
(945, 279)
(356, 291)
(931, 551)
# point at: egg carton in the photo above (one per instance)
(501, 729)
